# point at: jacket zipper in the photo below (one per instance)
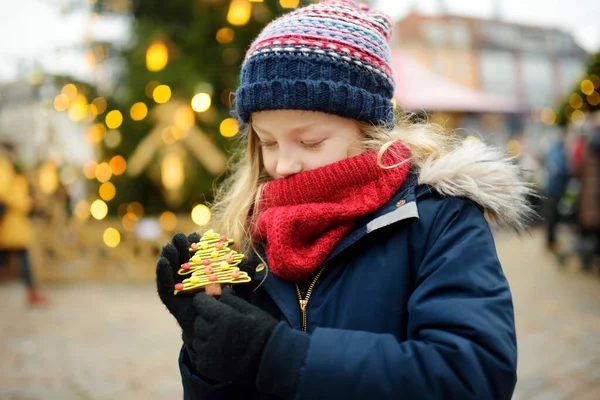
(303, 301)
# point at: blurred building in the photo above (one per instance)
(536, 65)
(490, 77)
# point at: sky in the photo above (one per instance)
(36, 32)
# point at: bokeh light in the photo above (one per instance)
(61, 102)
(201, 102)
(112, 139)
(118, 165)
(229, 127)
(138, 111)
(239, 12)
(111, 237)
(103, 172)
(89, 169)
(149, 89)
(168, 221)
(136, 209)
(70, 90)
(107, 191)
(82, 210)
(114, 119)
(157, 56)
(578, 117)
(99, 104)
(48, 178)
(289, 3)
(95, 133)
(161, 94)
(99, 209)
(201, 215)
(548, 116)
(225, 35)
(575, 101)
(184, 118)
(587, 87)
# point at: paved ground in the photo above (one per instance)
(105, 343)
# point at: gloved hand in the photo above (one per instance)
(172, 256)
(229, 337)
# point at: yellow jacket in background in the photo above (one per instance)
(15, 226)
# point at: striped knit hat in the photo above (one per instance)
(331, 57)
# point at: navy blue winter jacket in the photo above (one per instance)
(413, 304)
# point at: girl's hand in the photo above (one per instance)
(172, 256)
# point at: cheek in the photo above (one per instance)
(269, 162)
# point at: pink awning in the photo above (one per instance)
(419, 88)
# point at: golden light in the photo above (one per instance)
(89, 169)
(172, 172)
(514, 148)
(48, 178)
(239, 12)
(149, 89)
(99, 209)
(157, 56)
(61, 102)
(111, 237)
(107, 191)
(170, 134)
(100, 105)
(201, 102)
(95, 133)
(548, 116)
(201, 215)
(578, 117)
(70, 90)
(289, 3)
(587, 87)
(225, 35)
(138, 111)
(136, 209)
(168, 221)
(114, 119)
(593, 99)
(184, 118)
(103, 172)
(161, 94)
(78, 109)
(82, 210)
(118, 165)
(129, 221)
(575, 100)
(112, 138)
(229, 127)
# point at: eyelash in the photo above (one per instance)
(307, 145)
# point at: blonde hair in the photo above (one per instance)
(234, 209)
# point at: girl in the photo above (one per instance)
(382, 278)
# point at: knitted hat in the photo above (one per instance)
(331, 57)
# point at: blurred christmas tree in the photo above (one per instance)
(167, 122)
(584, 98)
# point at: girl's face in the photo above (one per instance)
(293, 141)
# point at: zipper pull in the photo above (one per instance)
(303, 304)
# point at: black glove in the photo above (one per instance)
(229, 337)
(172, 256)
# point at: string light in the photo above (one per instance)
(99, 104)
(229, 127)
(111, 237)
(138, 111)
(225, 35)
(114, 119)
(201, 215)
(289, 3)
(161, 94)
(61, 102)
(239, 12)
(99, 209)
(168, 221)
(107, 191)
(157, 56)
(201, 102)
(103, 172)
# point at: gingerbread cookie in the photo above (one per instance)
(213, 264)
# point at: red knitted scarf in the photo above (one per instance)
(303, 217)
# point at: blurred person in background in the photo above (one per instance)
(589, 200)
(556, 164)
(16, 232)
(383, 279)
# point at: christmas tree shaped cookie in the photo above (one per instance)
(213, 264)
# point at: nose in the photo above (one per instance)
(287, 166)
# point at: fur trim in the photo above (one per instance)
(486, 176)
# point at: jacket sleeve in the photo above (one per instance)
(196, 388)
(461, 338)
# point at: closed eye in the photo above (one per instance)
(267, 144)
(313, 145)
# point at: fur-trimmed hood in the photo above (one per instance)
(485, 175)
